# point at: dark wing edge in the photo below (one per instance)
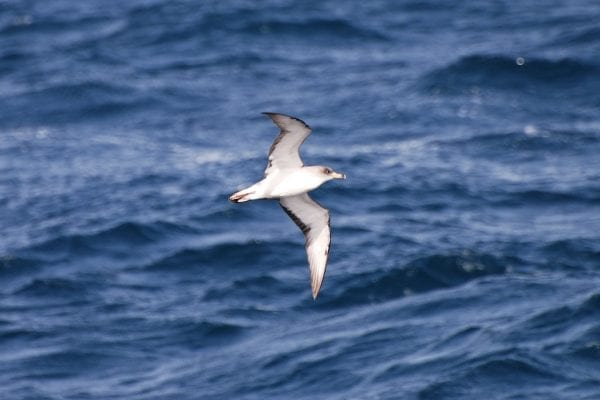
(272, 114)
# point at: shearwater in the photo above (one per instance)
(289, 180)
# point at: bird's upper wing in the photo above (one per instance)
(313, 220)
(284, 152)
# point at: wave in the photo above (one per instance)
(10, 263)
(545, 140)
(193, 334)
(586, 350)
(175, 332)
(556, 323)
(28, 24)
(11, 60)
(257, 287)
(63, 364)
(56, 288)
(574, 37)
(83, 89)
(503, 72)
(515, 374)
(223, 254)
(116, 240)
(17, 271)
(243, 58)
(590, 305)
(315, 28)
(542, 197)
(574, 249)
(69, 101)
(418, 276)
(190, 25)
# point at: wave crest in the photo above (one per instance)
(503, 72)
(421, 275)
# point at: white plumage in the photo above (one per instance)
(287, 179)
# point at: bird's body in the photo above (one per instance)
(287, 179)
(283, 183)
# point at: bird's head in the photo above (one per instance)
(330, 174)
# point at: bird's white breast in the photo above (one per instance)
(292, 182)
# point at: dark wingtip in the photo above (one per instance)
(235, 198)
(272, 114)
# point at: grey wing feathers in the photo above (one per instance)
(313, 220)
(284, 152)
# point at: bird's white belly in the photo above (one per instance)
(291, 184)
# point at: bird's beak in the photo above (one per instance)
(337, 175)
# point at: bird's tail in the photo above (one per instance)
(242, 195)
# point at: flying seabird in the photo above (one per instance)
(288, 180)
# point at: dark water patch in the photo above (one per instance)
(16, 336)
(173, 36)
(458, 339)
(304, 365)
(13, 265)
(180, 26)
(152, 179)
(427, 6)
(230, 255)
(54, 25)
(589, 351)
(431, 191)
(193, 334)
(556, 322)
(252, 313)
(157, 12)
(421, 275)
(175, 334)
(582, 352)
(536, 144)
(504, 73)
(291, 358)
(215, 330)
(573, 254)
(11, 60)
(548, 320)
(87, 91)
(546, 197)
(512, 370)
(134, 233)
(591, 306)
(120, 240)
(59, 249)
(377, 339)
(85, 100)
(579, 36)
(243, 59)
(510, 377)
(65, 363)
(257, 287)
(318, 29)
(56, 288)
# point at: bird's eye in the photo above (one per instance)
(327, 171)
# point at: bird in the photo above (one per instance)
(288, 180)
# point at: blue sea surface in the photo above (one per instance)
(465, 257)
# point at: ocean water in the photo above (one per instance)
(465, 261)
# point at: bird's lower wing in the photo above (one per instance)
(313, 220)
